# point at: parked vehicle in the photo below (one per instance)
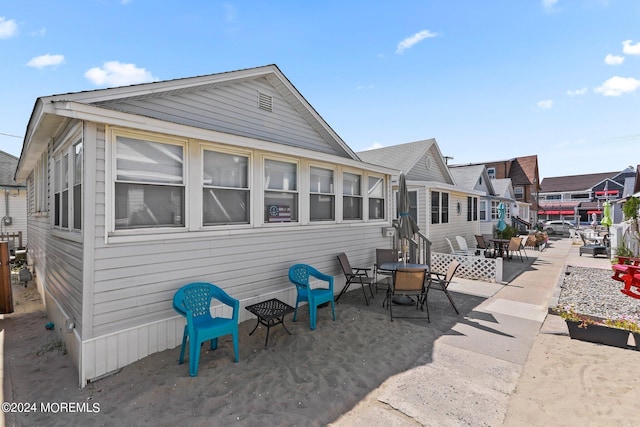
(558, 226)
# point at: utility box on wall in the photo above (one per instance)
(388, 231)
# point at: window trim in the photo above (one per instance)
(111, 135)
(250, 185)
(361, 196)
(443, 212)
(334, 171)
(69, 140)
(298, 191)
(384, 198)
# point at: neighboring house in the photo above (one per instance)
(474, 178)
(13, 212)
(525, 179)
(227, 178)
(439, 206)
(580, 197)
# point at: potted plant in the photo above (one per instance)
(613, 332)
(627, 322)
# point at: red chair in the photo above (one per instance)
(631, 281)
(620, 269)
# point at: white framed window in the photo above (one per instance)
(322, 198)
(40, 184)
(67, 183)
(483, 210)
(472, 208)
(518, 192)
(439, 207)
(226, 194)
(375, 194)
(491, 172)
(149, 182)
(280, 191)
(351, 196)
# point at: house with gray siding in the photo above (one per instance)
(226, 178)
(13, 206)
(440, 207)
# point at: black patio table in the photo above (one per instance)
(270, 313)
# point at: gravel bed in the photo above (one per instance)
(592, 291)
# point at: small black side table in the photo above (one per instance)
(270, 313)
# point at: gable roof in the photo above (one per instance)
(574, 182)
(522, 170)
(404, 157)
(503, 187)
(401, 156)
(8, 165)
(120, 105)
(467, 176)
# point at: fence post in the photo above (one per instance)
(6, 300)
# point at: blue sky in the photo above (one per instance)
(490, 80)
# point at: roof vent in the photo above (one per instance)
(265, 102)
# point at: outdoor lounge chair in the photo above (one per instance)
(194, 302)
(592, 248)
(355, 275)
(408, 282)
(462, 244)
(442, 281)
(621, 267)
(299, 275)
(631, 281)
(453, 250)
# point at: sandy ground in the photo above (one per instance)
(309, 378)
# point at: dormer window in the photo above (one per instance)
(491, 172)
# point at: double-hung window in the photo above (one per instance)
(439, 207)
(61, 191)
(351, 196)
(67, 185)
(280, 191)
(322, 199)
(472, 208)
(225, 188)
(376, 197)
(149, 183)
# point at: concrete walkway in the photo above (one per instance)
(477, 364)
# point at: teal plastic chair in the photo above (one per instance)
(299, 275)
(194, 302)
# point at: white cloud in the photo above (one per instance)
(548, 5)
(545, 105)
(8, 28)
(577, 92)
(631, 49)
(617, 86)
(41, 32)
(409, 42)
(47, 60)
(364, 87)
(114, 73)
(613, 59)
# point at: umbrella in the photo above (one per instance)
(407, 227)
(501, 213)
